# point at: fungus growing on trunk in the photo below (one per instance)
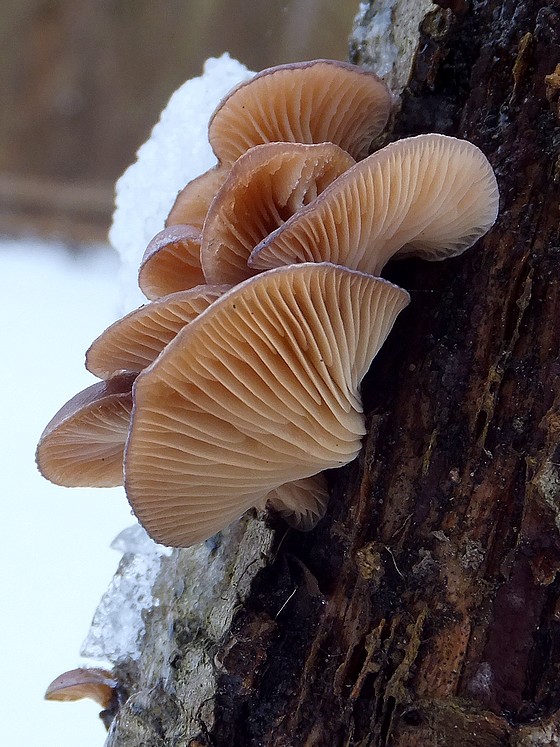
(432, 196)
(97, 684)
(320, 101)
(247, 393)
(193, 201)
(136, 340)
(82, 446)
(171, 262)
(261, 389)
(266, 185)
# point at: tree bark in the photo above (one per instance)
(424, 609)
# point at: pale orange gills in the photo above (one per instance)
(265, 187)
(301, 503)
(97, 684)
(193, 201)
(260, 390)
(318, 101)
(171, 262)
(136, 340)
(83, 444)
(432, 196)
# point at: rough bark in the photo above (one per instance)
(424, 609)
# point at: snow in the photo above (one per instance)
(118, 625)
(176, 152)
(55, 551)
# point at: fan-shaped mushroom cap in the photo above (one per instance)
(430, 195)
(301, 503)
(83, 444)
(133, 342)
(261, 389)
(264, 188)
(97, 684)
(171, 262)
(193, 201)
(306, 102)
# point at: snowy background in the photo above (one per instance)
(55, 551)
(55, 554)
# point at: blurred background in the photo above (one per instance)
(83, 81)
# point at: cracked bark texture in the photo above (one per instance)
(424, 609)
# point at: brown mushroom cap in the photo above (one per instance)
(83, 444)
(306, 102)
(301, 503)
(261, 389)
(193, 201)
(97, 684)
(430, 195)
(136, 340)
(265, 186)
(171, 262)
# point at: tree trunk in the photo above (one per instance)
(423, 610)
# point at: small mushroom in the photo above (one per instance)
(265, 186)
(261, 389)
(171, 262)
(82, 446)
(305, 102)
(193, 201)
(97, 684)
(133, 342)
(431, 196)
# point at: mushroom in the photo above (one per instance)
(171, 262)
(82, 446)
(193, 201)
(264, 188)
(245, 394)
(431, 196)
(304, 102)
(301, 503)
(133, 342)
(84, 682)
(260, 390)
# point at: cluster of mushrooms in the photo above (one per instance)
(238, 384)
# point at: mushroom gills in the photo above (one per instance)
(135, 341)
(83, 444)
(430, 195)
(260, 390)
(265, 187)
(305, 102)
(301, 503)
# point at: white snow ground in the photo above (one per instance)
(55, 556)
